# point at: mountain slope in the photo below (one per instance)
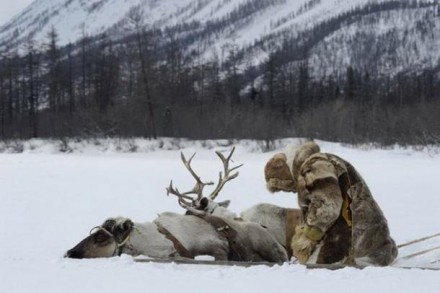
(392, 36)
(257, 18)
(388, 42)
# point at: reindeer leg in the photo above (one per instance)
(220, 254)
(265, 245)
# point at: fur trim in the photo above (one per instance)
(302, 154)
(296, 156)
(290, 151)
(282, 170)
(275, 185)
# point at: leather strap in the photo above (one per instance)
(236, 250)
(177, 244)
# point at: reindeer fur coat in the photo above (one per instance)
(343, 223)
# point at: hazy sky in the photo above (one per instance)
(9, 8)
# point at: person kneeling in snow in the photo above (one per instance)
(342, 221)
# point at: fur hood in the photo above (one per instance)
(282, 170)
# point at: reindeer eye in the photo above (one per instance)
(101, 237)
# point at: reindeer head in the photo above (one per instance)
(201, 205)
(105, 240)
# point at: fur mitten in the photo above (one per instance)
(277, 174)
(304, 242)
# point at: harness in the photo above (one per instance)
(181, 250)
(120, 243)
(237, 251)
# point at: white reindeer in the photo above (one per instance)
(207, 229)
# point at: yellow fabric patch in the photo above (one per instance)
(313, 233)
(346, 212)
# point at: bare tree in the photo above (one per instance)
(136, 19)
(2, 103)
(33, 101)
(84, 46)
(53, 56)
(70, 80)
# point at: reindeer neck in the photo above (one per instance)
(224, 212)
(146, 240)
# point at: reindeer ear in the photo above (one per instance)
(122, 225)
(109, 224)
(127, 225)
(122, 229)
(224, 203)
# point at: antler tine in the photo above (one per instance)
(187, 164)
(175, 191)
(184, 199)
(198, 187)
(227, 173)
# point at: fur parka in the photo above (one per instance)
(343, 222)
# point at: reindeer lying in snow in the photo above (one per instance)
(207, 229)
(278, 221)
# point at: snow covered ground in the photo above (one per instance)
(49, 201)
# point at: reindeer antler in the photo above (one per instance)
(228, 176)
(188, 202)
(185, 201)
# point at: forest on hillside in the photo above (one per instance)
(156, 82)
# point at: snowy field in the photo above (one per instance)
(49, 201)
